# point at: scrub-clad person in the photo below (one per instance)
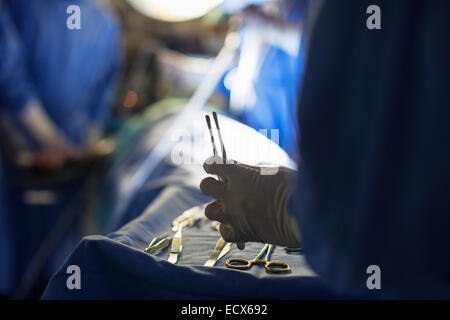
(57, 87)
(373, 183)
(58, 83)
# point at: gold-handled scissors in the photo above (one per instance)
(272, 267)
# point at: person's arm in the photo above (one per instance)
(44, 130)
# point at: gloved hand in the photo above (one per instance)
(251, 206)
(38, 122)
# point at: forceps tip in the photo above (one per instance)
(216, 120)
(208, 121)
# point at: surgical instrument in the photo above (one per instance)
(216, 120)
(240, 245)
(189, 218)
(158, 244)
(220, 250)
(208, 123)
(215, 225)
(222, 146)
(272, 267)
(177, 246)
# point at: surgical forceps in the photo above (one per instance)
(208, 123)
(240, 245)
(272, 267)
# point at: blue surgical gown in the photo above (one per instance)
(73, 72)
(16, 88)
(374, 185)
(6, 264)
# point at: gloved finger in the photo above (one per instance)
(216, 165)
(241, 245)
(213, 188)
(228, 234)
(214, 211)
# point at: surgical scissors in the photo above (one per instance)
(272, 267)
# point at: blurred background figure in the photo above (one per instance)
(57, 89)
(263, 85)
(18, 97)
(65, 79)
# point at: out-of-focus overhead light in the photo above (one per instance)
(174, 10)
